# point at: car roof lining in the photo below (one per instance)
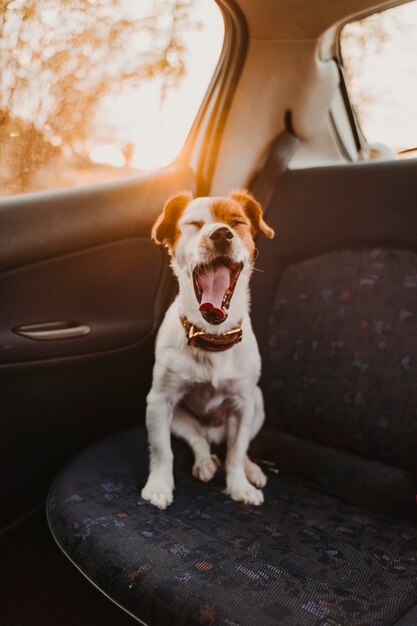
(294, 19)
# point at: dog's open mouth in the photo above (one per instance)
(214, 284)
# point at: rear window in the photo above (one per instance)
(379, 53)
(95, 90)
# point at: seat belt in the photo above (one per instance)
(263, 186)
(281, 151)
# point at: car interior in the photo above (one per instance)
(83, 290)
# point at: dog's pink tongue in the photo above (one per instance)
(213, 284)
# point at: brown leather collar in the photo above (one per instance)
(213, 343)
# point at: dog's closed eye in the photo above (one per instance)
(195, 223)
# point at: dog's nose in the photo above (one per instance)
(222, 235)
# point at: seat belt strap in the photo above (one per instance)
(280, 153)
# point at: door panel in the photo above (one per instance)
(106, 292)
(38, 226)
(81, 257)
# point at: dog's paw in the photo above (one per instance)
(205, 469)
(159, 495)
(245, 493)
(254, 474)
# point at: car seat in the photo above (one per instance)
(335, 312)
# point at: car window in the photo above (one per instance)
(95, 90)
(379, 54)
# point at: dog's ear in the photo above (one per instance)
(253, 211)
(165, 229)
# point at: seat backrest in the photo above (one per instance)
(335, 310)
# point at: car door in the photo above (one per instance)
(82, 291)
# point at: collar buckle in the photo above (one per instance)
(193, 333)
(198, 338)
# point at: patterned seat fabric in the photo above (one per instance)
(341, 362)
(340, 385)
(302, 559)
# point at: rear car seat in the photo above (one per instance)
(335, 311)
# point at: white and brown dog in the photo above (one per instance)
(205, 380)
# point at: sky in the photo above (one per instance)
(158, 130)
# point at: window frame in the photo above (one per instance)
(207, 128)
(202, 141)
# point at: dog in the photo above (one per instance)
(207, 363)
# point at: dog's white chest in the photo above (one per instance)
(209, 405)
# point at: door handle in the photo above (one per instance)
(50, 331)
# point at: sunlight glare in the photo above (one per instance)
(158, 128)
(107, 154)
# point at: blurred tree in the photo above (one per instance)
(59, 58)
(360, 40)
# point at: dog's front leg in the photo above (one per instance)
(160, 484)
(239, 434)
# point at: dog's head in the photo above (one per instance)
(211, 241)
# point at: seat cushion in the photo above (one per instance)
(303, 558)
